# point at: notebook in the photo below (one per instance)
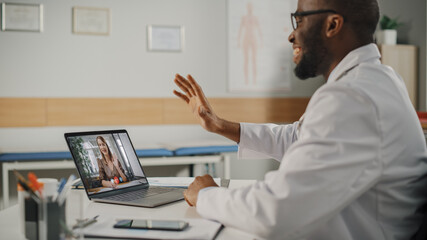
(111, 172)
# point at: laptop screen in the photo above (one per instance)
(106, 160)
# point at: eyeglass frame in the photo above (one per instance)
(307, 13)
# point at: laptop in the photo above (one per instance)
(111, 172)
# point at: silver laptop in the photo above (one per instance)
(111, 172)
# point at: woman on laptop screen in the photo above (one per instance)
(111, 172)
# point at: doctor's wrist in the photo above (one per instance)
(228, 129)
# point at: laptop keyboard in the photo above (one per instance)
(142, 193)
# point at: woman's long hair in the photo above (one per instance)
(109, 152)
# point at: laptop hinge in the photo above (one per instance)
(119, 191)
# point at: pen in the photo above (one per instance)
(25, 185)
(29, 190)
(19, 176)
(36, 185)
(61, 185)
(85, 223)
(61, 197)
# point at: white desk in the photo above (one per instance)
(78, 205)
(69, 164)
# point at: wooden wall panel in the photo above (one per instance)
(22, 112)
(404, 60)
(256, 110)
(27, 112)
(104, 111)
(260, 110)
(176, 111)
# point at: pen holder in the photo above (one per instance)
(31, 217)
(43, 219)
(51, 214)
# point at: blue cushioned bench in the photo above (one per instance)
(205, 150)
(34, 156)
(157, 152)
(151, 157)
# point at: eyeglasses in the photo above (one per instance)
(294, 15)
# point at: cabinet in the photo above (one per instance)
(404, 60)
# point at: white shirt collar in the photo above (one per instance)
(354, 58)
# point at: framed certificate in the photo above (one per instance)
(92, 21)
(165, 38)
(21, 17)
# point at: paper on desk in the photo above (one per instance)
(182, 182)
(197, 229)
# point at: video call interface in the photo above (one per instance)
(106, 162)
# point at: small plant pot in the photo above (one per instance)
(387, 37)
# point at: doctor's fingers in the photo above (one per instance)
(182, 96)
(198, 90)
(184, 84)
(186, 199)
(183, 88)
(195, 86)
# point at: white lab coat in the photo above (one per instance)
(349, 169)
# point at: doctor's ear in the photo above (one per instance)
(334, 24)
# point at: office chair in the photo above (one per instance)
(421, 234)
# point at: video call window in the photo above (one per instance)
(106, 162)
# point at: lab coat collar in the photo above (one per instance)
(354, 58)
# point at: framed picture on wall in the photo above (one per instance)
(259, 54)
(91, 21)
(165, 38)
(21, 17)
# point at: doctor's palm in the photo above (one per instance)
(196, 100)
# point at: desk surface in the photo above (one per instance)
(79, 206)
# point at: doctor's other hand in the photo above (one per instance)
(196, 100)
(199, 182)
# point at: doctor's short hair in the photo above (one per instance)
(362, 15)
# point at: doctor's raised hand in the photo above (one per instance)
(201, 109)
(196, 100)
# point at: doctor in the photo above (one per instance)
(350, 167)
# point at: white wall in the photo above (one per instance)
(57, 63)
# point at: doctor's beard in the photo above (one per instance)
(314, 60)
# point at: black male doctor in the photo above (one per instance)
(350, 167)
